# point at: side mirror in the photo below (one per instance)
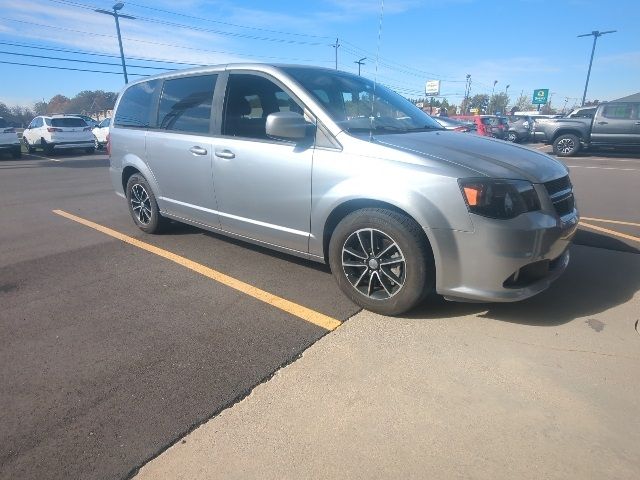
(288, 125)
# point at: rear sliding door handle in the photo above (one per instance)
(225, 154)
(637, 123)
(198, 150)
(603, 123)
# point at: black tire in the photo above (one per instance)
(512, 137)
(47, 148)
(90, 150)
(16, 153)
(30, 149)
(566, 145)
(415, 274)
(147, 217)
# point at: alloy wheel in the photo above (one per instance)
(566, 146)
(141, 203)
(374, 264)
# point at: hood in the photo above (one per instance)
(482, 156)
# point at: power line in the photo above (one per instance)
(79, 61)
(422, 72)
(193, 17)
(104, 35)
(68, 68)
(97, 54)
(199, 29)
(227, 23)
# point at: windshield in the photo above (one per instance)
(350, 102)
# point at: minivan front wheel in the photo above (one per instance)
(143, 206)
(382, 261)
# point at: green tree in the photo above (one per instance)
(524, 104)
(498, 103)
(58, 104)
(480, 101)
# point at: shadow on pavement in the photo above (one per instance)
(177, 228)
(592, 239)
(633, 153)
(595, 281)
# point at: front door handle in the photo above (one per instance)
(637, 123)
(225, 154)
(198, 150)
(603, 123)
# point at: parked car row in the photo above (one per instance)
(56, 132)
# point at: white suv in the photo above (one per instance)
(58, 132)
(9, 140)
(100, 133)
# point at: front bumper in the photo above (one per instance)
(10, 146)
(503, 260)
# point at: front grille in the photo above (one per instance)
(558, 185)
(561, 193)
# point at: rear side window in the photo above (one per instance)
(68, 122)
(619, 110)
(185, 104)
(3, 123)
(134, 109)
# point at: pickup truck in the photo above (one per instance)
(614, 125)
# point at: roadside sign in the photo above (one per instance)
(540, 96)
(474, 110)
(432, 87)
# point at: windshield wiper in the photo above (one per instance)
(425, 128)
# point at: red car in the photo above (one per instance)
(487, 125)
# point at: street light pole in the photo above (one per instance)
(360, 63)
(492, 94)
(118, 6)
(595, 34)
(506, 98)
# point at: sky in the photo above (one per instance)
(522, 44)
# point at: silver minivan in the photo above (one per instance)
(335, 168)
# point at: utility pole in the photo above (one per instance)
(467, 92)
(595, 34)
(116, 8)
(336, 45)
(360, 63)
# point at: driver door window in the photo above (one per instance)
(249, 101)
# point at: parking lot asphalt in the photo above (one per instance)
(111, 353)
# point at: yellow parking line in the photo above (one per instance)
(299, 311)
(604, 220)
(610, 232)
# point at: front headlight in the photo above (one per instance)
(495, 198)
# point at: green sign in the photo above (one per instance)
(540, 96)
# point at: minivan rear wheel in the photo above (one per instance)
(382, 260)
(143, 206)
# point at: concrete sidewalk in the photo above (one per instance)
(546, 388)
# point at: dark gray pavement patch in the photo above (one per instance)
(110, 353)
